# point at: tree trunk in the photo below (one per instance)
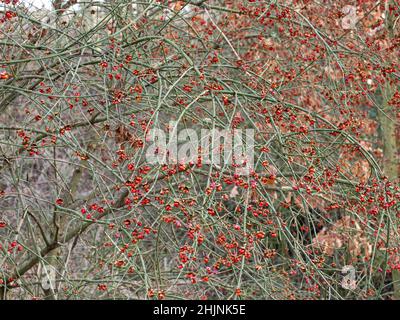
(387, 121)
(390, 158)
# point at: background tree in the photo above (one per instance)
(83, 213)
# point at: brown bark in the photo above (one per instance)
(387, 122)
